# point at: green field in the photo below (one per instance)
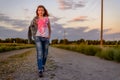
(13, 46)
(107, 52)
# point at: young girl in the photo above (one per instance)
(40, 30)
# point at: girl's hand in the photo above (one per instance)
(48, 37)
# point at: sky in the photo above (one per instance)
(75, 19)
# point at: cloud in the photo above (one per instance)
(113, 36)
(54, 19)
(57, 30)
(79, 4)
(9, 33)
(80, 18)
(107, 30)
(81, 32)
(27, 13)
(15, 23)
(73, 33)
(70, 4)
(65, 4)
(26, 10)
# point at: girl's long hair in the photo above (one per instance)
(46, 12)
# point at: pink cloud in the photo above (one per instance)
(80, 18)
(70, 4)
(65, 4)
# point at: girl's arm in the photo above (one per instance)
(49, 28)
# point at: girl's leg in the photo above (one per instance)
(39, 52)
(46, 46)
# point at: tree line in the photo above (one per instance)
(63, 41)
(89, 42)
(14, 40)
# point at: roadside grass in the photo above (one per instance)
(117, 55)
(108, 53)
(12, 63)
(13, 46)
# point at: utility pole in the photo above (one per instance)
(64, 36)
(101, 36)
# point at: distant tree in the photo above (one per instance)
(54, 41)
(114, 42)
(15, 40)
(111, 42)
(80, 41)
(64, 41)
(61, 41)
(89, 42)
(0, 40)
(118, 42)
(8, 40)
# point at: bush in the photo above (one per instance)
(117, 55)
(92, 50)
(82, 48)
(107, 53)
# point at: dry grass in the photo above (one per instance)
(10, 64)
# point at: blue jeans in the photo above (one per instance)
(42, 45)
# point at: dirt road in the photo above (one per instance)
(68, 65)
(75, 66)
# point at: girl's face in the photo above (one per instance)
(41, 11)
